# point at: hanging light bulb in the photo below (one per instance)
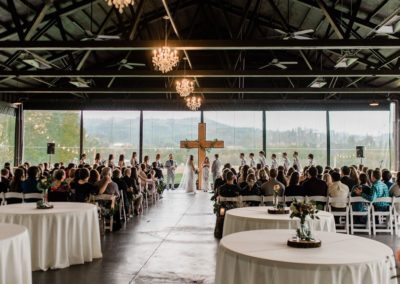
(165, 58)
(184, 87)
(193, 102)
(120, 4)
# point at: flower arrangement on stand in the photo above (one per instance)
(278, 207)
(304, 211)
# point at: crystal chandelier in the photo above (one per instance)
(184, 87)
(193, 102)
(120, 4)
(165, 58)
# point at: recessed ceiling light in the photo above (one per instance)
(318, 83)
(374, 103)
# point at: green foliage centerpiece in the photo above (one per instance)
(43, 186)
(303, 211)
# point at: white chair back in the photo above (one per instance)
(2, 198)
(357, 199)
(384, 199)
(228, 199)
(14, 195)
(317, 198)
(364, 214)
(297, 197)
(255, 198)
(336, 200)
(382, 221)
(37, 196)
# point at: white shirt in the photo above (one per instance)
(286, 163)
(296, 162)
(243, 162)
(262, 161)
(274, 164)
(252, 163)
(338, 189)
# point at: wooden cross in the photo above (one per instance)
(202, 145)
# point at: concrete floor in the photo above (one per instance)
(173, 242)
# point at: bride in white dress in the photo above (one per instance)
(188, 181)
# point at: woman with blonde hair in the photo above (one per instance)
(327, 178)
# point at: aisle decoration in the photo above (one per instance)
(303, 211)
(43, 186)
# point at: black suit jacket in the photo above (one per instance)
(348, 181)
(314, 187)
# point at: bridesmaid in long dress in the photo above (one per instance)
(206, 174)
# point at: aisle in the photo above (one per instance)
(172, 242)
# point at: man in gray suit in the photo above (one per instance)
(267, 188)
(171, 166)
(215, 167)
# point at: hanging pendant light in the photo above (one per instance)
(185, 86)
(193, 102)
(165, 58)
(120, 4)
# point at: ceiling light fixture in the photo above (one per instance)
(80, 83)
(374, 103)
(120, 4)
(345, 61)
(391, 26)
(35, 62)
(165, 58)
(318, 83)
(184, 87)
(193, 102)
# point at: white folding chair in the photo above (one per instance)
(152, 190)
(385, 218)
(33, 197)
(318, 198)
(340, 214)
(13, 195)
(250, 198)
(396, 214)
(269, 199)
(145, 200)
(360, 227)
(122, 211)
(2, 198)
(106, 198)
(228, 199)
(292, 197)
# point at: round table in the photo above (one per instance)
(65, 235)
(257, 218)
(263, 257)
(15, 255)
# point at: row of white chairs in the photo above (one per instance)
(19, 196)
(347, 217)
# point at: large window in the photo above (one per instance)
(163, 131)
(301, 131)
(110, 132)
(370, 129)
(7, 136)
(60, 127)
(240, 130)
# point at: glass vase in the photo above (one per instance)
(275, 201)
(303, 232)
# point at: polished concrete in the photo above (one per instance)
(172, 242)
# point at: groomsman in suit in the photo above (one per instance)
(274, 163)
(215, 167)
(286, 162)
(158, 161)
(253, 163)
(296, 161)
(242, 160)
(263, 162)
(171, 166)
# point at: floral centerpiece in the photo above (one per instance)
(303, 211)
(43, 186)
(278, 207)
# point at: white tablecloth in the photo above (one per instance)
(263, 256)
(15, 255)
(257, 218)
(65, 235)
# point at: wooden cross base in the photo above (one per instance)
(202, 145)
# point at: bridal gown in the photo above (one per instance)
(205, 182)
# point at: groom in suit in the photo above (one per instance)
(171, 166)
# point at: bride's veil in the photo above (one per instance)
(185, 177)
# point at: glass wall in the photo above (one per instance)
(110, 132)
(163, 131)
(60, 127)
(7, 136)
(371, 129)
(240, 130)
(301, 131)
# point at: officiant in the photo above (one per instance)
(170, 165)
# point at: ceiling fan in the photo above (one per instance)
(296, 35)
(128, 65)
(89, 35)
(279, 64)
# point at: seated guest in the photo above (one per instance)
(243, 175)
(320, 170)
(338, 189)
(122, 186)
(327, 178)
(267, 189)
(142, 175)
(263, 177)
(17, 180)
(157, 171)
(221, 179)
(314, 186)
(112, 187)
(387, 178)
(289, 172)
(94, 177)
(251, 187)
(354, 174)
(365, 188)
(30, 184)
(59, 188)
(134, 194)
(294, 188)
(7, 166)
(83, 189)
(378, 189)
(4, 181)
(70, 175)
(229, 189)
(281, 177)
(346, 179)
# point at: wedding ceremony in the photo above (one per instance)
(200, 141)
